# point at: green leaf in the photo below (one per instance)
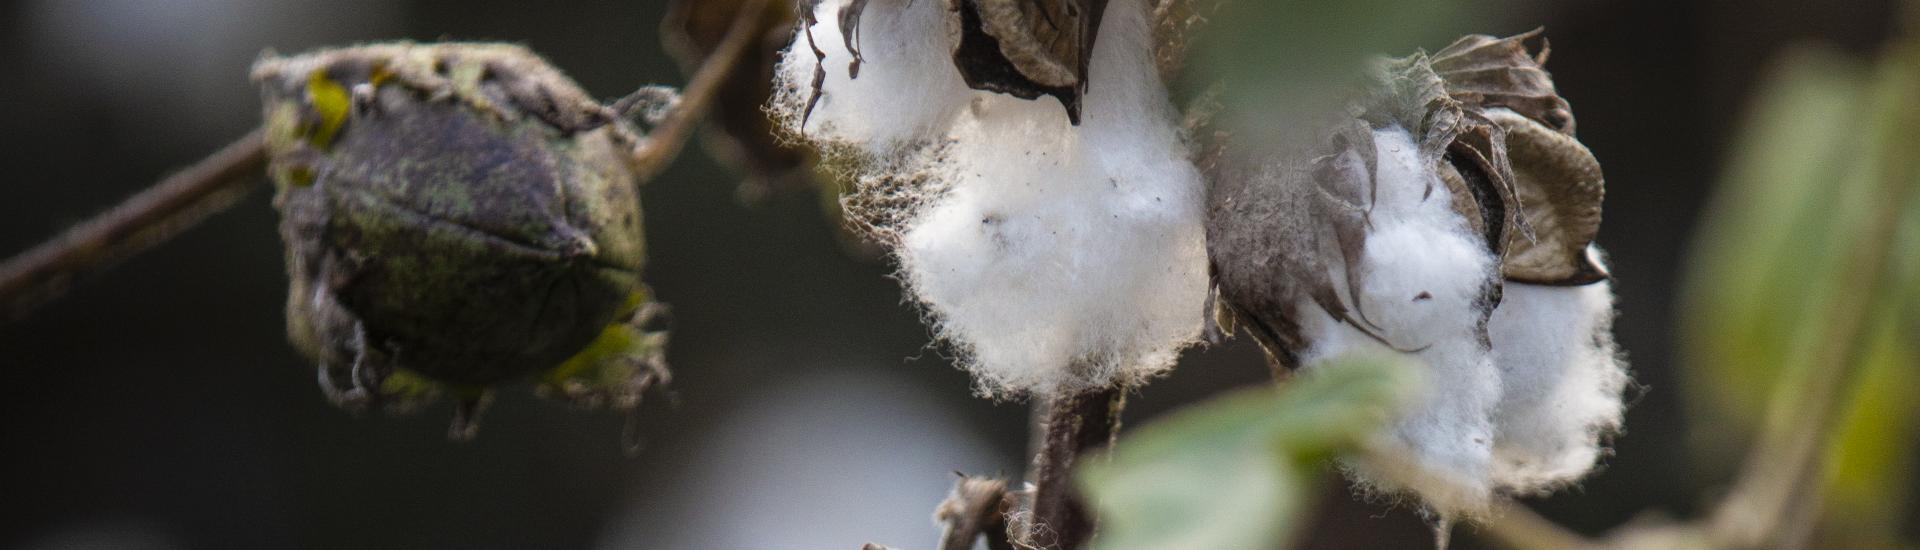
(1772, 259)
(1768, 248)
(1236, 471)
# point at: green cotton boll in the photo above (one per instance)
(458, 215)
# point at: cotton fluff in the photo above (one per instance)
(1562, 380)
(1523, 411)
(906, 92)
(1425, 282)
(1052, 257)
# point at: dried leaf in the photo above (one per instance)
(1499, 72)
(1556, 182)
(1559, 189)
(1027, 48)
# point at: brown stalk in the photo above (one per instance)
(666, 140)
(1072, 425)
(149, 218)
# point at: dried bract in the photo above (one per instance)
(1027, 48)
(1557, 179)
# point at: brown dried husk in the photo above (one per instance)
(1558, 184)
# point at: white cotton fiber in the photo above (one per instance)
(907, 90)
(1563, 381)
(1063, 258)
(1423, 284)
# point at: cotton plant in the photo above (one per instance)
(1062, 240)
(1446, 215)
(1055, 242)
(1024, 166)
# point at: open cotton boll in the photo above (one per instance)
(907, 90)
(1424, 284)
(1063, 258)
(1563, 381)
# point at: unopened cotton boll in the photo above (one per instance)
(1563, 381)
(1425, 284)
(1064, 258)
(905, 91)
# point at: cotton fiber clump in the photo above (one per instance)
(1448, 220)
(1562, 385)
(907, 91)
(1424, 286)
(1053, 257)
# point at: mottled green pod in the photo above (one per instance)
(455, 216)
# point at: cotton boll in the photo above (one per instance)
(1562, 379)
(907, 90)
(1424, 285)
(1063, 258)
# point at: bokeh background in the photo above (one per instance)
(159, 406)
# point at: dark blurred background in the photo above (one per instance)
(160, 407)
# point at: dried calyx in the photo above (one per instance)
(1446, 214)
(458, 216)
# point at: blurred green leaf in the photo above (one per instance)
(1236, 471)
(1279, 64)
(1767, 249)
(1772, 259)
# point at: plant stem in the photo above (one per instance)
(664, 144)
(1517, 526)
(149, 218)
(1073, 424)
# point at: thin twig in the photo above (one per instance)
(666, 140)
(149, 218)
(1074, 424)
(1516, 526)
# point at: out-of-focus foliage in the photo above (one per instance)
(1276, 60)
(1772, 261)
(1237, 471)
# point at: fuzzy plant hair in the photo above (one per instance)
(1446, 215)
